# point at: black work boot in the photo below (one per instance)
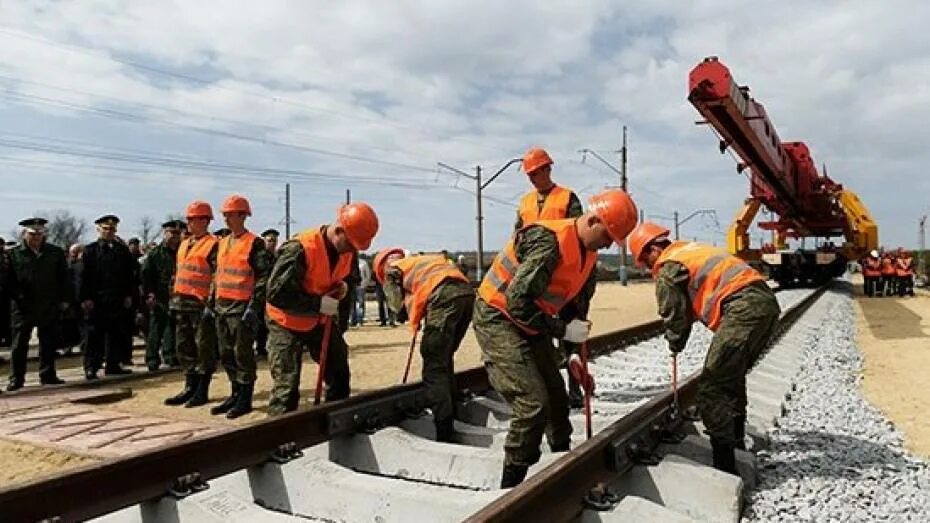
(560, 447)
(724, 456)
(740, 431)
(445, 430)
(190, 385)
(243, 404)
(513, 475)
(228, 403)
(201, 393)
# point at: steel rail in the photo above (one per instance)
(559, 490)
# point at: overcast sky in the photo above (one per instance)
(138, 107)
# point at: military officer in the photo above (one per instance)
(157, 281)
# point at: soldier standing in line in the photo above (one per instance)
(435, 292)
(192, 307)
(242, 271)
(35, 277)
(157, 281)
(261, 336)
(697, 282)
(544, 267)
(108, 294)
(304, 290)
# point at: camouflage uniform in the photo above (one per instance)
(285, 347)
(158, 279)
(235, 335)
(37, 284)
(524, 368)
(448, 313)
(195, 335)
(749, 318)
(575, 309)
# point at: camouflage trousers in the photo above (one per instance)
(448, 314)
(160, 338)
(285, 351)
(235, 338)
(195, 337)
(749, 321)
(524, 370)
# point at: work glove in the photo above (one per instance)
(208, 313)
(329, 306)
(339, 290)
(150, 300)
(88, 306)
(675, 348)
(584, 379)
(577, 331)
(249, 316)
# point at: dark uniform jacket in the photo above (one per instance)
(37, 282)
(109, 275)
(158, 273)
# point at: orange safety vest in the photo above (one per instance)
(872, 267)
(713, 274)
(235, 279)
(318, 279)
(421, 276)
(904, 267)
(888, 267)
(194, 274)
(569, 276)
(555, 206)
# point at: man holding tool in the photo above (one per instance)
(438, 294)
(696, 282)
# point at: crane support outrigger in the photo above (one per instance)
(784, 180)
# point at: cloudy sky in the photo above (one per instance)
(138, 107)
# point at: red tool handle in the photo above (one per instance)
(327, 327)
(413, 342)
(587, 390)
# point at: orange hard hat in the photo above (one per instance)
(236, 203)
(199, 209)
(644, 234)
(535, 158)
(380, 260)
(359, 222)
(616, 211)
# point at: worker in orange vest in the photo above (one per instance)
(543, 268)
(548, 201)
(437, 295)
(303, 294)
(904, 268)
(871, 273)
(243, 265)
(192, 306)
(889, 274)
(697, 282)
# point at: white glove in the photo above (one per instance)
(329, 306)
(577, 331)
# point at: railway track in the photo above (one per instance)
(369, 457)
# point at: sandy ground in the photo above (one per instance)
(376, 356)
(894, 337)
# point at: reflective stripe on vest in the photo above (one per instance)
(318, 280)
(194, 274)
(421, 276)
(714, 275)
(568, 277)
(872, 267)
(904, 267)
(234, 277)
(555, 206)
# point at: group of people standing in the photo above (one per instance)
(890, 273)
(225, 291)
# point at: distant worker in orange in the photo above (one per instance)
(243, 264)
(904, 267)
(549, 201)
(192, 306)
(871, 273)
(303, 294)
(697, 282)
(889, 274)
(435, 293)
(544, 267)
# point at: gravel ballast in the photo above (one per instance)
(834, 457)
